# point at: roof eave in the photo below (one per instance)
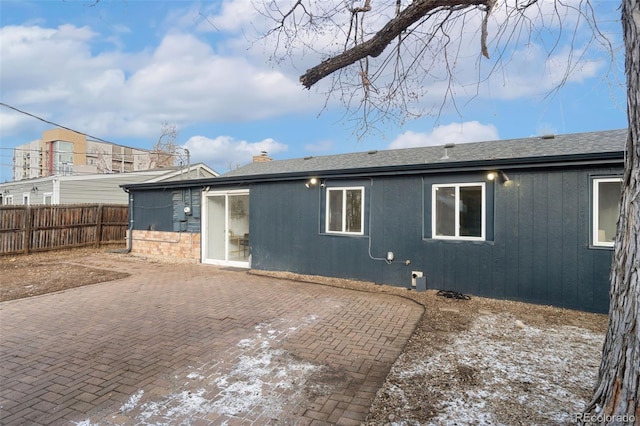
(604, 159)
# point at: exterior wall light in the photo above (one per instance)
(499, 174)
(311, 182)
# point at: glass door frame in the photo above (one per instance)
(205, 229)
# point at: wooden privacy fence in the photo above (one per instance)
(25, 229)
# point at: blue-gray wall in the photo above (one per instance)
(537, 249)
(163, 210)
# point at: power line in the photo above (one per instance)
(145, 152)
(54, 124)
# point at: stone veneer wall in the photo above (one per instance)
(180, 245)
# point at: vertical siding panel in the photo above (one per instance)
(432, 263)
(586, 256)
(569, 238)
(485, 274)
(526, 223)
(540, 277)
(555, 235)
(601, 270)
(471, 279)
(511, 240)
(502, 200)
(449, 265)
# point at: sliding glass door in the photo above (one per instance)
(226, 228)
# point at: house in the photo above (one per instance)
(91, 188)
(528, 219)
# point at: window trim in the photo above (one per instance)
(457, 186)
(595, 214)
(26, 198)
(344, 190)
(7, 200)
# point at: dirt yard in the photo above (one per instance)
(476, 361)
(41, 273)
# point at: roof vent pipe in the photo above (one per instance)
(446, 153)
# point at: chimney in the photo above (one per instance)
(262, 158)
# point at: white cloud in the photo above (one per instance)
(182, 81)
(470, 131)
(232, 16)
(224, 153)
(14, 120)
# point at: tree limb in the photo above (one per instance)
(376, 45)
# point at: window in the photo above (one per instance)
(46, 199)
(25, 198)
(8, 200)
(345, 210)
(606, 207)
(458, 211)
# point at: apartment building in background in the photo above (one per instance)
(62, 152)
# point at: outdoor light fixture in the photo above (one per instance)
(311, 182)
(34, 189)
(494, 175)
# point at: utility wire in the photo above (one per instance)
(54, 124)
(144, 152)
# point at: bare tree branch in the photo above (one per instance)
(378, 43)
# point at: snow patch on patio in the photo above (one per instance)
(258, 378)
(132, 402)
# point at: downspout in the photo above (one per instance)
(130, 244)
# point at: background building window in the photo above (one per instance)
(606, 208)
(345, 210)
(458, 211)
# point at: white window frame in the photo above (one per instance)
(26, 198)
(344, 190)
(7, 200)
(595, 233)
(457, 236)
(45, 196)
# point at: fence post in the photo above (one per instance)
(99, 226)
(27, 230)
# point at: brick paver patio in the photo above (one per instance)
(198, 345)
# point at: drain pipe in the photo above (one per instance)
(130, 243)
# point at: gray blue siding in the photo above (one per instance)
(163, 210)
(537, 247)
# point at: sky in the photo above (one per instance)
(119, 69)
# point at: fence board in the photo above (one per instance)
(25, 229)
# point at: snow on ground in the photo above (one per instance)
(257, 379)
(509, 367)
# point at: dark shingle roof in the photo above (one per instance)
(610, 141)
